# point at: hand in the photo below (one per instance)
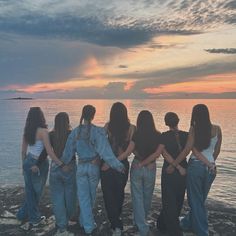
(212, 168)
(105, 167)
(66, 168)
(136, 165)
(170, 169)
(181, 170)
(34, 169)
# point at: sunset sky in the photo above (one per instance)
(118, 49)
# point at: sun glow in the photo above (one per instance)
(209, 84)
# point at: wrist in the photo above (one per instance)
(173, 164)
(178, 167)
(211, 165)
(62, 165)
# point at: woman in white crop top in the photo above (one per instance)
(35, 139)
(205, 142)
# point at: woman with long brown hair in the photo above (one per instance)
(205, 142)
(35, 139)
(62, 184)
(113, 183)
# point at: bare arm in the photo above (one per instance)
(167, 156)
(201, 157)
(23, 148)
(188, 147)
(153, 156)
(127, 152)
(218, 144)
(45, 138)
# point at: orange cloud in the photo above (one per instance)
(209, 84)
(92, 68)
(61, 86)
(129, 85)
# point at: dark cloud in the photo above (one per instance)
(88, 29)
(111, 24)
(231, 5)
(28, 61)
(123, 66)
(222, 50)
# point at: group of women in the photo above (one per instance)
(103, 153)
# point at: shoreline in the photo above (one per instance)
(222, 218)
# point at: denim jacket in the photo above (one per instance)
(89, 141)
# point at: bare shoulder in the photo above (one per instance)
(41, 132)
(216, 130)
(132, 129)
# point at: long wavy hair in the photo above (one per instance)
(118, 125)
(35, 119)
(146, 133)
(61, 132)
(201, 123)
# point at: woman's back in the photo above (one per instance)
(174, 142)
(209, 151)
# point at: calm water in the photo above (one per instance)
(223, 112)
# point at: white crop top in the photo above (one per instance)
(36, 148)
(208, 152)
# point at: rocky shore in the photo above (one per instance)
(222, 219)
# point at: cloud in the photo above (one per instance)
(110, 23)
(222, 50)
(123, 66)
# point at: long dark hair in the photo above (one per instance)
(146, 134)
(61, 132)
(88, 114)
(201, 123)
(35, 119)
(119, 124)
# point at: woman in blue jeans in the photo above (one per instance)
(90, 143)
(62, 184)
(35, 140)
(205, 142)
(146, 140)
(149, 144)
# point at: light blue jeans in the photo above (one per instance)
(63, 195)
(142, 182)
(199, 181)
(87, 179)
(34, 184)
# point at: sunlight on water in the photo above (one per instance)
(223, 112)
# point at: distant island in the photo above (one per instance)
(20, 98)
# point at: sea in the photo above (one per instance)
(223, 112)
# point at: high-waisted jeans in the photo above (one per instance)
(63, 195)
(199, 180)
(87, 178)
(142, 183)
(34, 184)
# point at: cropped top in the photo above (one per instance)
(208, 152)
(36, 148)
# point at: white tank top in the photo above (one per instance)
(36, 148)
(208, 152)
